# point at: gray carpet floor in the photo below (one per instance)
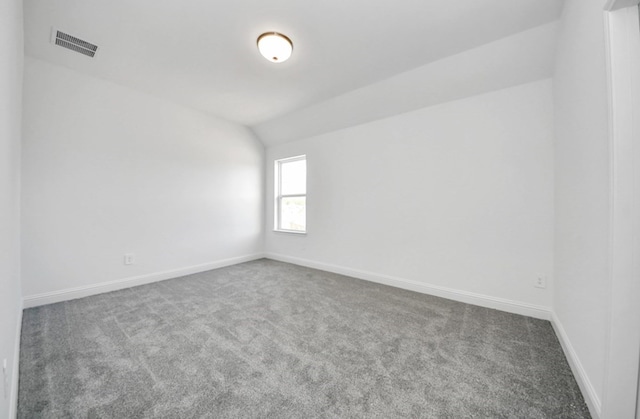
(266, 339)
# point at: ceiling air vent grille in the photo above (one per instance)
(75, 44)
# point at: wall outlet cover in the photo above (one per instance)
(129, 259)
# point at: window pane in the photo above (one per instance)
(293, 176)
(293, 213)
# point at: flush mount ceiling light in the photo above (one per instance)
(275, 46)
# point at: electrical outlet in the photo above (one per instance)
(129, 259)
(540, 281)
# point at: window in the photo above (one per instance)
(291, 194)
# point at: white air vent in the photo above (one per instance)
(75, 44)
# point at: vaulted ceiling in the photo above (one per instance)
(203, 53)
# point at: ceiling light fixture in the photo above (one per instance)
(275, 46)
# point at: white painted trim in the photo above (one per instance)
(502, 304)
(612, 5)
(118, 284)
(589, 393)
(279, 195)
(300, 233)
(622, 42)
(15, 371)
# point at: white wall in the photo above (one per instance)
(11, 62)
(458, 195)
(108, 170)
(582, 187)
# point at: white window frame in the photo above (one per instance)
(279, 196)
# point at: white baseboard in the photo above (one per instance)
(502, 304)
(540, 312)
(15, 371)
(589, 393)
(118, 284)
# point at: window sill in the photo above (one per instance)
(299, 233)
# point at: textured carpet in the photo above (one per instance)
(273, 340)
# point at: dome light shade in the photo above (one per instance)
(275, 47)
